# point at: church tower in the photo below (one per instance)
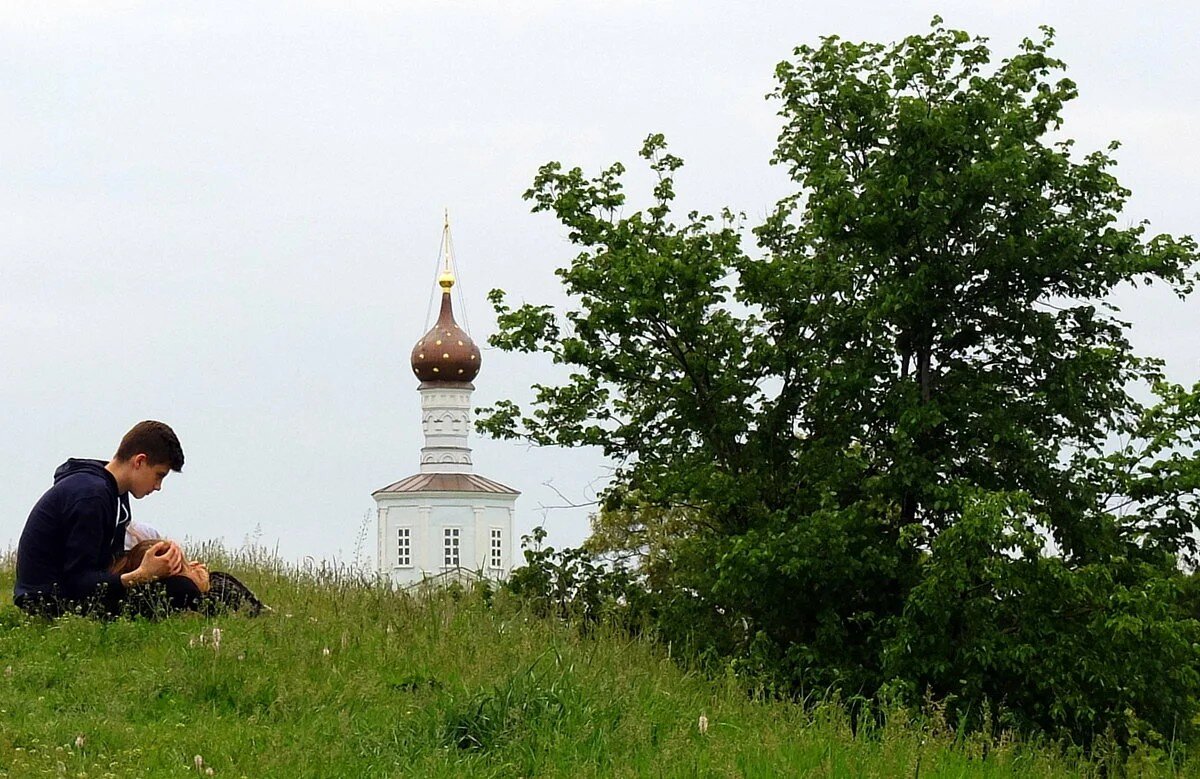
(445, 521)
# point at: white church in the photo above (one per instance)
(445, 522)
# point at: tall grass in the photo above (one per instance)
(350, 678)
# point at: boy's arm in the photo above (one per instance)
(83, 574)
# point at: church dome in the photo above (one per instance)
(446, 353)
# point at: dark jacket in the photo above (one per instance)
(73, 535)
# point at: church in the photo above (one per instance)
(446, 521)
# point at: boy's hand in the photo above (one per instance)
(162, 560)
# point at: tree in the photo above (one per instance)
(922, 354)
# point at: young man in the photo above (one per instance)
(77, 529)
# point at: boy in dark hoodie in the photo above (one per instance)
(78, 527)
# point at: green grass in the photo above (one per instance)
(346, 679)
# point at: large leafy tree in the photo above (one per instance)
(867, 450)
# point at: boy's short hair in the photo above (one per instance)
(156, 440)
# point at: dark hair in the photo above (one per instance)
(133, 558)
(155, 440)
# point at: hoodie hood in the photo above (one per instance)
(92, 470)
(79, 465)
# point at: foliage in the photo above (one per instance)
(807, 441)
(1053, 646)
(576, 586)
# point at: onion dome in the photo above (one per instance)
(446, 353)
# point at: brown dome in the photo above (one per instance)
(446, 353)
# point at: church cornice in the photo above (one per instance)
(448, 483)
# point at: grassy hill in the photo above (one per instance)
(346, 679)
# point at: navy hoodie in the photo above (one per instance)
(73, 535)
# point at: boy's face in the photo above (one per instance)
(146, 478)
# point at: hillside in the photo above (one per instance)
(346, 679)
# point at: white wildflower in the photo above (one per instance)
(79, 741)
(199, 761)
(325, 651)
(216, 638)
(703, 724)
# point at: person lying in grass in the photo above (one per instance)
(219, 590)
(131, 561)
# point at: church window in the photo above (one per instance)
(450, 547)
(497, 548)
(404, 546)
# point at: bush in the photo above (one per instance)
(578, 586)
(996, 624)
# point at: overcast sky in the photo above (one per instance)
(226, 215)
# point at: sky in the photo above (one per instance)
(226, 216)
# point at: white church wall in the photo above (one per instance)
(424, 518)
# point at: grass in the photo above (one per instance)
(350, 679)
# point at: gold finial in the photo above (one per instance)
(446, 280)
